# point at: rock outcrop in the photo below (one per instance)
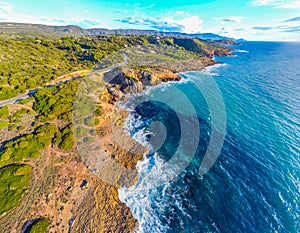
(136, 80)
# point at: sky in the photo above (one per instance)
(263, 20)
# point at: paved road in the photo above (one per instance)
(14, 100)
(31, 92)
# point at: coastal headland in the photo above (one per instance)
(59, 191)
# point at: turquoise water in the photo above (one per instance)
(254, 186)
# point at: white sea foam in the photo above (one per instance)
(211, 70)
(139, 197)
(152, 171)
(241, 51)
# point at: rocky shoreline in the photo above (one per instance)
(127, 82)
(78, 199)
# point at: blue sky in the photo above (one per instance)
(249, 19)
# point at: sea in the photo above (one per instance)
(240, 121)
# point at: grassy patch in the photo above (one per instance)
(25, 101)
(55, 102)
(3, 124)
(27, 146)
(39, 226)
(31, 62)
(14, 181)
(7, 93)
(4, 112)
(65, 138)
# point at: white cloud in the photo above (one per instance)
(288, 4)
(230, 19)
(5, 7)
(80, 21)
(148, 7)
(190, 24)
(180, 12)
(262, 2)
(291, 5)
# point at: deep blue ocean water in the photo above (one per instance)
(254, 186)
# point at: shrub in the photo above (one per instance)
(4, 112)
(14, 181)
(3, 124)
(27, 146)
(39, 226)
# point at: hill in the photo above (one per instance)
(19, 28)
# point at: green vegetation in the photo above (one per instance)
(88, 140)
(3, 124)
(91, 121)
(7, 92)
(11, 127)
(4, 112)
(31, 62)
(14, 181)
(27, 146)
(28, 62)
(25, 101)
(65, 138)
(39, 226)
(17, 116)
(14, 118)
(55, 102)
(98, 111)
(81, 132)
(162, 56)
(194, 45)
(201, 47)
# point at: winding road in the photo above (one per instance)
(15, 99)
(31, 92)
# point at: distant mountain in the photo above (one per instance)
(20, 28)
(241, 40)
(203, 36)
(211, 36)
